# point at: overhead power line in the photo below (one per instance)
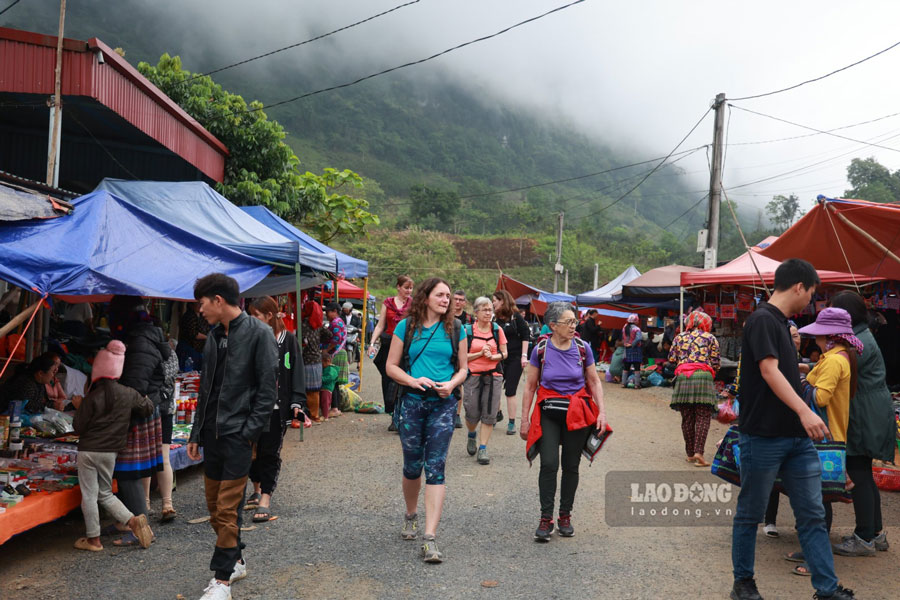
(660, 164)
(820, 78)
(410, 64)
(577, 177)
(806, 135)
(843, 137)
(298, 44)
(9, 7)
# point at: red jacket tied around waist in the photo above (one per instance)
(583, 412)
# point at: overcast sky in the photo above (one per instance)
(635, 75)
(638, 75)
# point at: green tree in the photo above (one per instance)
(432, 208)
(783, 210)
(872, 181)
(260, 168)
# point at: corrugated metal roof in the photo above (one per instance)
(27, 67)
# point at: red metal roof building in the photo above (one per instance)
(115, 122)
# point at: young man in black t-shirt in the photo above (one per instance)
(777, 430)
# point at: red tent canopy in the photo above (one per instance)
(741, 270)
(346, 290)
(868, 234)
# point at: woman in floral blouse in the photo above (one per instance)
(695, 351)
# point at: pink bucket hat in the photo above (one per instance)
(109, 362)
(831, 321)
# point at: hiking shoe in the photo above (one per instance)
(881, 543)
(216, 591)
(854, 546)
(471, 446)
(564, 525)
(483, 458)
(511, 428)
(410, 527)
(544, 530)
(392, 426)
(841, 593)
(499, 416)
(240, 571)
(745, 589)
(457, 422)
(430, 552)
(770, 530)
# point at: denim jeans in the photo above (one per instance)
(797, 461)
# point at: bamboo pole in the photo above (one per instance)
(18, 319)
(362, 329)
(862, 232)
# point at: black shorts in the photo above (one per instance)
(167, 422)
(512, 374)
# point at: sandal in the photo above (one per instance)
(795, 557)
(113, 529)
(83, 544)
(252, 501)
(168, 514)
(802, 570)
(129, 539)
(262, 515)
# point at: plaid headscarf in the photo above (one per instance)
(699, 319)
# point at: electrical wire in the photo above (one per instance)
(660, 164)
(820, 78)
(843, 137)
(71, 115)
(679, 217)
(298, 44)
(9, 7)
(409, 64)
(806, 135)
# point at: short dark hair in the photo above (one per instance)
(333, 306)
(794, 271)
(217, 284)
(854, 304)
(460, 293)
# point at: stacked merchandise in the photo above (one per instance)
(48, 467)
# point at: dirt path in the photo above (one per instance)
(339, 511)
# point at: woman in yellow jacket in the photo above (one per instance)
(834, 378)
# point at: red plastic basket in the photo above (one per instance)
(887, 479)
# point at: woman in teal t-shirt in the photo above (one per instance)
(428, 402)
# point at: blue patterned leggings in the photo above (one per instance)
(426, 426)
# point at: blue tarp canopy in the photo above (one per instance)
(347, 266)
(611, 290)
(108, 246)
(196, 207)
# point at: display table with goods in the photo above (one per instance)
(40, 487)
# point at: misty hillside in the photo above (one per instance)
(422, 128)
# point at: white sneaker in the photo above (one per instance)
(240, 571)
(216, 591)
(770, 530)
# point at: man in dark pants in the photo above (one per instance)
(777, 430)
(236, 400)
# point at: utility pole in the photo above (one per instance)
(566, 284)
(558, 268)
(715, 183)
(596, 274)
(56, 106)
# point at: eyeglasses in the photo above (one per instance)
(486, 309)
(568, 322)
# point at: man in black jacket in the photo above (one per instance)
(237, 395)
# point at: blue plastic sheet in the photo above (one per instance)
(108, 246)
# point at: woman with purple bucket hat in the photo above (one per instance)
(834, 379)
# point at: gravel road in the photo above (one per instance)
(339, 509)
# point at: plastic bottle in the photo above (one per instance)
(179, 414)
(373, 350)
(15, 434)
(189, 365)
